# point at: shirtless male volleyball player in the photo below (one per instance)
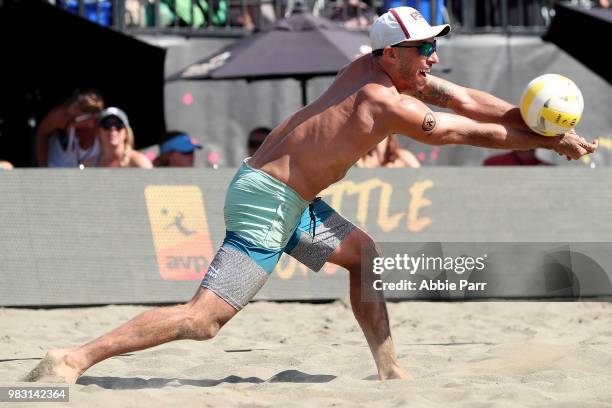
(271, 205)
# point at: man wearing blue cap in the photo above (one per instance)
(177, 150)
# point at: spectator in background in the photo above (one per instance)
(388, 153)
(177, 150)
(117, 141)
(353, 14)
(4, 165)
(515, 158)
(250, 19)
(256, 139)
(66, 135)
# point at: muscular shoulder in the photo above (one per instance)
(395, 112)
(386, 101)
(406, 113)
(374, 93)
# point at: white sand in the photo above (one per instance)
(302, 355)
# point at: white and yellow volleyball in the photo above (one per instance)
(551, 105)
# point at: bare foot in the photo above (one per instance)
(394, 373)
(54, 368)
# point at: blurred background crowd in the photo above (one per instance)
(107, 107)
(217, 15)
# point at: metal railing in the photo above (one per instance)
(240, 17)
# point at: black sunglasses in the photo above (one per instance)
(108, 124)
(425, 49)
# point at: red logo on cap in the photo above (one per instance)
(416, 15)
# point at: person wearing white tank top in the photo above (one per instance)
(65, 136)
(73, 155)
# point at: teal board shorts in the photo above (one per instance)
(264, 218)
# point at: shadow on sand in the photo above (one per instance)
(123, 383)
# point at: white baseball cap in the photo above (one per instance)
(403, 24)
(113, 111)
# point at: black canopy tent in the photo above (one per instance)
(47, 53)
(584, 34)
(301, 46)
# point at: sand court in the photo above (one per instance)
(296, 354)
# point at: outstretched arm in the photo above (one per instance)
(413, 118)
(455, 129)
(472, 103)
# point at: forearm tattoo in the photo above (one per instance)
(429, 122)
(436, 94)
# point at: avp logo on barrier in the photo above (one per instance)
(180, 231)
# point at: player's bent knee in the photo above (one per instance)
(197, 328)
(370, 250)
(358, 248)
(207, 330)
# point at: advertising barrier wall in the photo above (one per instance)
(99, 236)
